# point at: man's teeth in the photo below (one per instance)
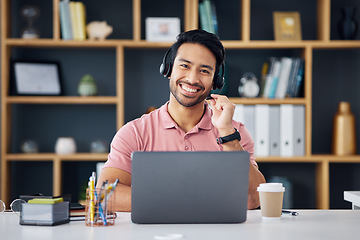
(189, 89)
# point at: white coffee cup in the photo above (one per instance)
(271, 199)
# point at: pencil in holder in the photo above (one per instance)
(99, 207)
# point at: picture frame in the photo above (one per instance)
(36, 78)
(287, 26)
(161, 29)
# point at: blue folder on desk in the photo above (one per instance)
(189, 187)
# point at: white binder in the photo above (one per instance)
(274, 130)
(239, 113)
(286, 130)
(249, 119)
(262, 127)
(299, 130)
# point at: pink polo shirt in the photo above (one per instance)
(157, 131)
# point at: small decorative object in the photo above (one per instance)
(98, 146)
(287, 26)
(37, 78)
(348, 25)
(162, 29)
(29, 146)
(98, 30)
(249, 86)
(87, 86)
(30, 14)
(344, 132)
(65, 145)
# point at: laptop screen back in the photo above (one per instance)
(189, 187)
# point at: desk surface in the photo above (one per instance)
(309, 224)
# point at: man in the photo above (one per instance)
(186, 122)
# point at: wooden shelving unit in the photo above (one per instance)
(190, 22)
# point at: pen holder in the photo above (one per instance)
(99, 207)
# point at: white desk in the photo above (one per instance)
(309, 224)
(354, 198)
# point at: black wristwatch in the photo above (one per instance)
(229, 138)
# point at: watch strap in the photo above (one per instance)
(229, 138)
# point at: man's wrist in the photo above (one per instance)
(228, 138)
(226, 130)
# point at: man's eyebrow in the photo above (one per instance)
(202, 65)
(184, 60)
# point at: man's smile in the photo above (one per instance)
(188, 89)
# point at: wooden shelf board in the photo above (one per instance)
(235, 44)
(316, 44)
(251, 101)
(54, 157)
(316, 158)
(336, 44)
(146, 44)
(61, 100)
(85, 43)
(228, 44)
(338, 159)
(103, 157)
(295, 159)
(49, 42)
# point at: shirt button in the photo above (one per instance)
(186, 147)
(186, 136)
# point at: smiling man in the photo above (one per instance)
(186, 122)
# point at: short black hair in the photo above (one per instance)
(204, 38)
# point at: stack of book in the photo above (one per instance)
(282, 77)
(72, 20)
(208, 19)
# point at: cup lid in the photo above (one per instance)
(271, 187)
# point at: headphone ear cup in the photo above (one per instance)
(218, 82)
(165, 69)
(221, 82)
(168, 70)
(162, 69)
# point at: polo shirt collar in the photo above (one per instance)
(168, 122)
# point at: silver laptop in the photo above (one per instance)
(189, 187)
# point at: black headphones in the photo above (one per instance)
(166, 68)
